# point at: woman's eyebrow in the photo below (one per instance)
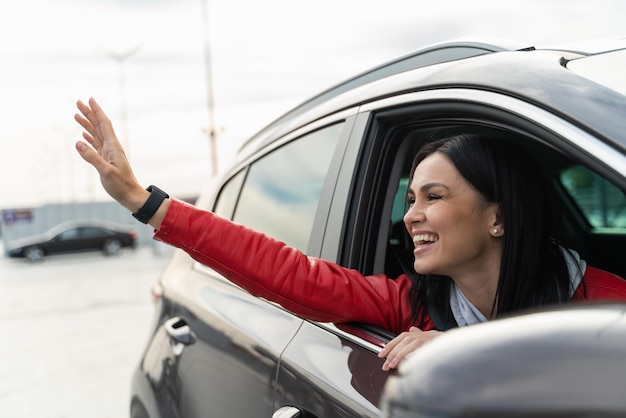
(432, 185)
(426, 187)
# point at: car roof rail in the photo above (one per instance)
(433, 54)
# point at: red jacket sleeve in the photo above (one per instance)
(599, 285)
(315, 289)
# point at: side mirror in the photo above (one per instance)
(565, 362)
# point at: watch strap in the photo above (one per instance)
(147, 211)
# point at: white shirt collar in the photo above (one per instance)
(465, 313)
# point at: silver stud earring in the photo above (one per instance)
(495, 230)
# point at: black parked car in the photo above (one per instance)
(330, 177)
(75, 236)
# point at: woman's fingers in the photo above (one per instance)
(89, 122)
(403, 345)
(100, 121)
(400, 347)
(92, 157)
(88, 127)
(96, 124)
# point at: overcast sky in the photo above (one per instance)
(267, 56)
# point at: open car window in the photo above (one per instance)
(593, 208)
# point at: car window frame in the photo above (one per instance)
(491, 108)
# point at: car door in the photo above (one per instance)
(226, 343)
(93, 237)
(215, 353)
(330, 371)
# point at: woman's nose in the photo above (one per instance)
(414, 214)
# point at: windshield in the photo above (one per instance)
(607, 69)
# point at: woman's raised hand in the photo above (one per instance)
(107, 156)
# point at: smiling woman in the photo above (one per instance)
(473, 191)
(439, 194)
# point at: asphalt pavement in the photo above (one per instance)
(72, 330)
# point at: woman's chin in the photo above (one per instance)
(422, 269)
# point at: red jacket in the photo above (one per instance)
(310, 287)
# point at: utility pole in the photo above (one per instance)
(120, 58)
(209, 86)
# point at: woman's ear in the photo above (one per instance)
(496, 227)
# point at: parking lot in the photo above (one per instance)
(72, 329)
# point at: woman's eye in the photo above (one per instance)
(433, 197)
(410, 201)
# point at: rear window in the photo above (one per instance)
(281, 191)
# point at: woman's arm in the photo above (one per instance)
(315, 289)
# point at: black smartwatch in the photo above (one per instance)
(147, 211)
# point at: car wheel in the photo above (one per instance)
(34, 254)
(112, 246)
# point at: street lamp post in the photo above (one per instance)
(120, 58)
(209, 86)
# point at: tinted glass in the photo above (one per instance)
(69, 234)
(602, 203)
(94, 232)
(399, 201)
(281, 191)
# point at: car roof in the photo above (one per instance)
(535, 75)
(63, 226)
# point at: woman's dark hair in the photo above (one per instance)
(533, 270)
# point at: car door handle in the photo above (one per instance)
(178, 329)
(287, 412)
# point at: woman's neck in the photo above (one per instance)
(480, 288)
